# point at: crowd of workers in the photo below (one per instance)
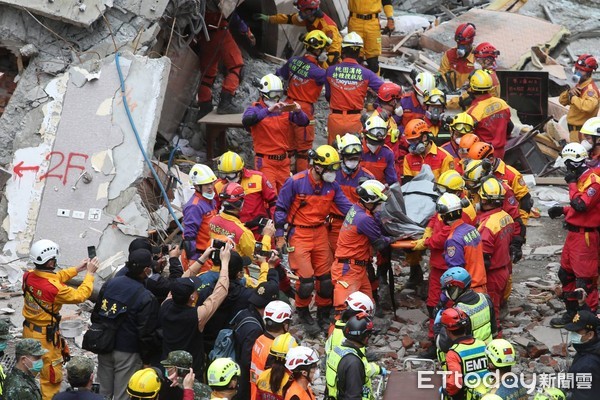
(212, 330)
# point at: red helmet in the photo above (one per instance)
(308, 4)
(465, 33)
(232, 194)
(454, 319)
(586, 63)
(485, 50)
(389, 91)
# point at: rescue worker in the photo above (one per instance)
(465, 360)
(223, 377)
(507, 174)
(413, 103)
(348, 177)
(583, 336)
(277, 318)
(461, 125)
(579, 259)
(220, 46)
(346, 88)
(347, 374)
(314, 19)
(80, 374)
(491, 113)
(4, 337)
(268, 121)
(591, 132)
(457, 62)
(496, 229)
(144, 384)
(463, 247)
(198, 212)
(485, 58)
(259, 194)
(45, 292)
(501, 357)
(388, 99)
(360, 232)
(302, 362)
(435, 106)
(583, 98)
(275, 378)
(20, 382)
(377, 158)
(466, 142)
(305, 80)
(227, 224)
(303, 205)
(364, 20)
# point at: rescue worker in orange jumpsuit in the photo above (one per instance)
(457, 62)
(491, 113)
(313, 18)
(583, 99)
(496, 229)
(579, 259)
(268, 121)
(305, 80)
(197, 213)
(461, 125)
(413, 103)
(388, 99)
(302, 208)
(485, 58)
(220, 47)
(361, 231)
(346, 88)
(45, 292)
(377, 158)
(364, 20)
(349, 177)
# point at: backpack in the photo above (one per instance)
(225, 341)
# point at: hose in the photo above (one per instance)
(141, 146)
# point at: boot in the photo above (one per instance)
(310, 326)
(204, 108)
(415, 278)
(226, 105)
(324, 317)
(567, 317)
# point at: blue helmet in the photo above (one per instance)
(456, 276)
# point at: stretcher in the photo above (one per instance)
(402, 245)
(422, 384)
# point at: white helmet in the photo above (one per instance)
(349, 144)
(591, 127)
(43, 250)
(358, 301)
(371, 191)
(271, 87)
(574, 152)
(300, 356)
(448, 203)
(278, 312)
(201, 174)
(352, 39)
(376, 128)
(424, 82)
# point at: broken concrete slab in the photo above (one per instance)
(547, 250)
(512, 34)
(414, 315)
(546, 335)
(76, 13)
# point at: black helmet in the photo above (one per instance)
(359, 327)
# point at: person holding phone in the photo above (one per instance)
(80, 374)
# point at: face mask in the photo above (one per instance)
(3, 346)
(476, 65)
(208, 196)
(329, 176)
(270, 103)
(373, 147)
(36, 366)
(574, 338)
(461, 50)
(242, 281)
(322, 57)
(457, 140)
(576, 76)
(351, 164)
(316, 375)
(149, 274)
(399, 111)
(586, 145)
(418, 148)
(434, 115)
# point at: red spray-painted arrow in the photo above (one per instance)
(19, 168)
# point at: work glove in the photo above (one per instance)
(251, 38)
(260, 17)
(418, 245)
(390, 27)
(570, 177)
(556, 211)
(516, 251)
(465, 102)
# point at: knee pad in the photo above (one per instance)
(586, 284)
(307, 285)
(565, 277)
(373, 64)
(325, 287)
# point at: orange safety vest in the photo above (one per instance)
(260, 352)
(296, 390)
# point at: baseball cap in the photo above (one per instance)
(80, 368)
(30, 347)
(182, 289)
(141, 257)
(139, 243)
(179, 359)
(4, 330)
(583, 320)
(265, 293)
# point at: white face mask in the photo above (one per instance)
(457, 140)
(574, 338)
(329, 176)
(586, 145)
(476, 65)
(208, 196)
(270, 103)
(373, 147)
(316, 375)
(322, 57)
(351, 164)
(399, 111)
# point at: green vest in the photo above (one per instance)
(474, 362)
(333, 361)
(480, 316)
(336, 338)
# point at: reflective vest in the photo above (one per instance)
(473, 363)
(296, 390)
(260, 352)
(480, 316)
(333, 361)
(335, 340)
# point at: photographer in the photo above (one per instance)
(80, 374)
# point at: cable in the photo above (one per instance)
(141, 146)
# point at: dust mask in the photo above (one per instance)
(322, 57)
(270, 103)
(351, 164)
(329, 176)
(208, 196)
(457, 140)
(574, 338)
(586, 145)
(373, 147)
(399, 111)
(434, 115)
(476, 65)
(461, 51)
(418, 148)
(316, 375)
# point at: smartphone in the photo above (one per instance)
(91, 252)
(216, 254)
(288, 107)
(263, 222)
(217, 244)
(578, 294)
(95, 388)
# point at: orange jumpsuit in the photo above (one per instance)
(463, 249)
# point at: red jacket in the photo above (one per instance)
(496, 229)
(584, 193)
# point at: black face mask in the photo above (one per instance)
(577, 168)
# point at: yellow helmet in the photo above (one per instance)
(144, 384)
(474, 171)
(451, 180)
(462, 123)
(481, 81)
(221, 371)
(316, 40)
(201, 174)
(492, 189)
(348, 144)
(352, 39)
(230, 162)
(491, 396)
(501, 353)
(281, 345)
(325, 156)
(591, 127)
(435, 97)
(371, 191)
(550, 393)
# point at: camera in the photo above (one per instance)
(258, 250)
(216, 254)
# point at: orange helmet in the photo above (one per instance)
(480, 150)
(415, 128)
(586, 63)
(466, 142)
